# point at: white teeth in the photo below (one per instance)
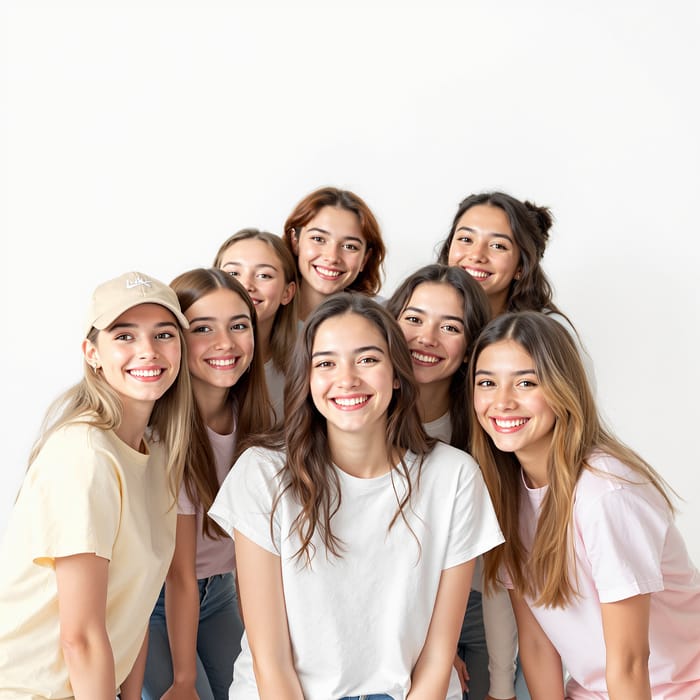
(513, 423)
(222, 363)
(146, 372)
(351, 402)
(424, 358)
(328, 273)
(478, 274)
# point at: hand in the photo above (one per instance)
(180, 691)
(462, 673)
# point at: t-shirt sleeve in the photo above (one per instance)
(74, 492)
(184, 504)
(474, 528)
(246, 496)
(624, 535)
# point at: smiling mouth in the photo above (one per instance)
(229, 363)
(421, 358)
(508, 425)
(152, 373)
(327, 273)
(479, 275)
(349, 403)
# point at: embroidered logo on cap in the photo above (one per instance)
(130, 284)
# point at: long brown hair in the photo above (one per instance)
(530, 224)
(308, 471)
(248, 397)
(546, 574)
(284, 325)
(477, 313)
(369, 280)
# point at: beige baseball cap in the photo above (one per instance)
(111, 299)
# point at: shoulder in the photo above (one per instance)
(447, 455)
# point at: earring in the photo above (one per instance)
(516, 275)
(95, 368)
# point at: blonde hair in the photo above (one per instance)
(94, 402)
(547, 573)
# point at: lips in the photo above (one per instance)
(327, 273)
(425, 359)
(146, 374)
(350, 403)
(222, 362)
(508, 425)
(477, 274)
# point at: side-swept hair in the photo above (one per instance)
(476, 311)
(94, 402)
(369, 280)
(284, 325)
(547, 574)
(308, 471)
(248, 396)
(530, 224)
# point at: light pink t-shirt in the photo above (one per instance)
(214, 556)
(625, 544)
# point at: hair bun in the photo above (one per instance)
(542, 216)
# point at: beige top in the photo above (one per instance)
(87, 491)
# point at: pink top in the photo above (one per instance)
(214, 556)
(625, 544)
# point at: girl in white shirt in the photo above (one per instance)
(599, 576)
(353, 574)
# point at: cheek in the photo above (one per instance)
(453, 254)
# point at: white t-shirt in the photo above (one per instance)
(214, 555)
(625, 544)
(358, 623)
(86, 492)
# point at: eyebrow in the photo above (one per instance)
(212, 318)
(495, 234)
(161, 324)
(235, 262)
(356, 351)
(330, 233)
(447, 317)
(517, 373)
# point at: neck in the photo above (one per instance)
(498, 303)
(362, 456)
(434, 400)
(535, 471)
(133, 425)
(212, 403)
(309, 299)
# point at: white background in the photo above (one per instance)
(139, 135)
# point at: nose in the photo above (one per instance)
(331, 250)
(347, 375)
(478, 250)
(504, 398)
(428, 335)
(222, 340)
(248, 281)
(147, 348)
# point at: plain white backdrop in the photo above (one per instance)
(139, 135)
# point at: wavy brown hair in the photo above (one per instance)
(308, 472)
(530, 224)
(284, 325)
(369, 280)
(248, 397)
(547, 574)
(477, 313)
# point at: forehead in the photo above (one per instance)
(337, 222)
(218, 302)
(145, 314)
(251, 251)
(438, 298)
(347, 332)
(505, 355)
(485, 218)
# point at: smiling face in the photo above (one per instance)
(138, 355)
(483, 244)
(219, 340)
(433, 325)
(331, 250)
(255, 265)
(352, 377)
(511, 406)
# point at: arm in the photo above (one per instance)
(133, 683)
(541, 661)
(431, 674)
(262, 600)
(82, 599)
(182, 610)
(626, 632)
(501, 641)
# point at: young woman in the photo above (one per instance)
(441, 311)
(337, 245)
(600, 577)
(93, 529)
(195, 629)
(263, 264)
(354, 576)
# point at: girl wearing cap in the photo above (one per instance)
(195, 629)
(441, 311)
(353, 574)
(261, 262)
(337, 244)
(599, 575)
(92, 531)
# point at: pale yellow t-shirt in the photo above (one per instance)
(87, 491)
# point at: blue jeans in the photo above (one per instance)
(218, 642)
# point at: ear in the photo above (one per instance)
(289, 293)
(397, 383)
(294, 239)
(517, 274)
(90, 353)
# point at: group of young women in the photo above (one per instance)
(271, 402)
